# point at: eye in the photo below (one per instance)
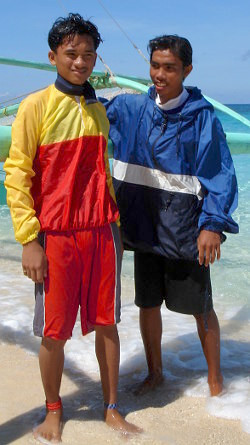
(169, 68)
(89, 56)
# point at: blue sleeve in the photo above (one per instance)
(215, 171)
(114, 111)
(123, 112)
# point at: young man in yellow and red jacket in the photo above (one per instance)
(64, 212)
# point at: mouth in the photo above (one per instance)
(160, 85)
(79, 73)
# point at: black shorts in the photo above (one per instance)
(184, 285)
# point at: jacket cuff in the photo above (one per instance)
(213, 226)
(30, 238)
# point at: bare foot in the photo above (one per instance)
(50, 431)
(151, 382)
(114, 419)
(216, 386)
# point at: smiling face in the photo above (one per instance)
(75, 58)
(168, 73)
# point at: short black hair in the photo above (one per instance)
(69, 27)
(179, 46)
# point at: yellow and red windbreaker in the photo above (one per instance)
(57, 172)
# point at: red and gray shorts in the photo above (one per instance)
(84, 268)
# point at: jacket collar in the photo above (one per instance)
(85, 90)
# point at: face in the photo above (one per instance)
(74, 58)
(167, 74)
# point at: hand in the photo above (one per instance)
(208, 246)
(34, 261)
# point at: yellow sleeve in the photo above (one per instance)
(19, 171)
(109, 179)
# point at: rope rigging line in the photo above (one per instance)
(62, 6)
(112, 76)
(124, 32)
(2, 104)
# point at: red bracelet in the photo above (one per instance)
(54, 406)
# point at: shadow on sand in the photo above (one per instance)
(179, 376)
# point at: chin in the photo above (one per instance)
(161, 91)
(77, 81)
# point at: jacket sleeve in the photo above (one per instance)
(19, 172)
(215, 171)
(116, 114)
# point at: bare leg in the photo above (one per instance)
(210, 341)
(51, 360)
(151, 332)
(108, 355)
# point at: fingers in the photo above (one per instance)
(201, 253)
(36, 273)
(208, 254)
(41, 272)
(218, 252)
(213, 254)
(34, 261)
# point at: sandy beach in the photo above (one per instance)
(167, 417)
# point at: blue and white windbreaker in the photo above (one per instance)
(172, 172)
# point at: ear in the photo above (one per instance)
(52, 57)
(95, 58)
(187, 70)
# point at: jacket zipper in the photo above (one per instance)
(77, 98)
(163, 128)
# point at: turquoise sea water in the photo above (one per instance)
(181, 348)
(233, 125)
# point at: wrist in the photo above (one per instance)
(31, 243)
(220, 234)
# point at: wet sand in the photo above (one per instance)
(166, 417)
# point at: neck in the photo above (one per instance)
(165, 98)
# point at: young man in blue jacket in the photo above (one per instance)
(176, 190)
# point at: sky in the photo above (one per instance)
(218, 30)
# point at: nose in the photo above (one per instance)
(79, 62)
(160, 75)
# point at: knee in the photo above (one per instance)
(198, 317)
(201, 318)
(106, 331)
(150, 310)
(52, 344)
